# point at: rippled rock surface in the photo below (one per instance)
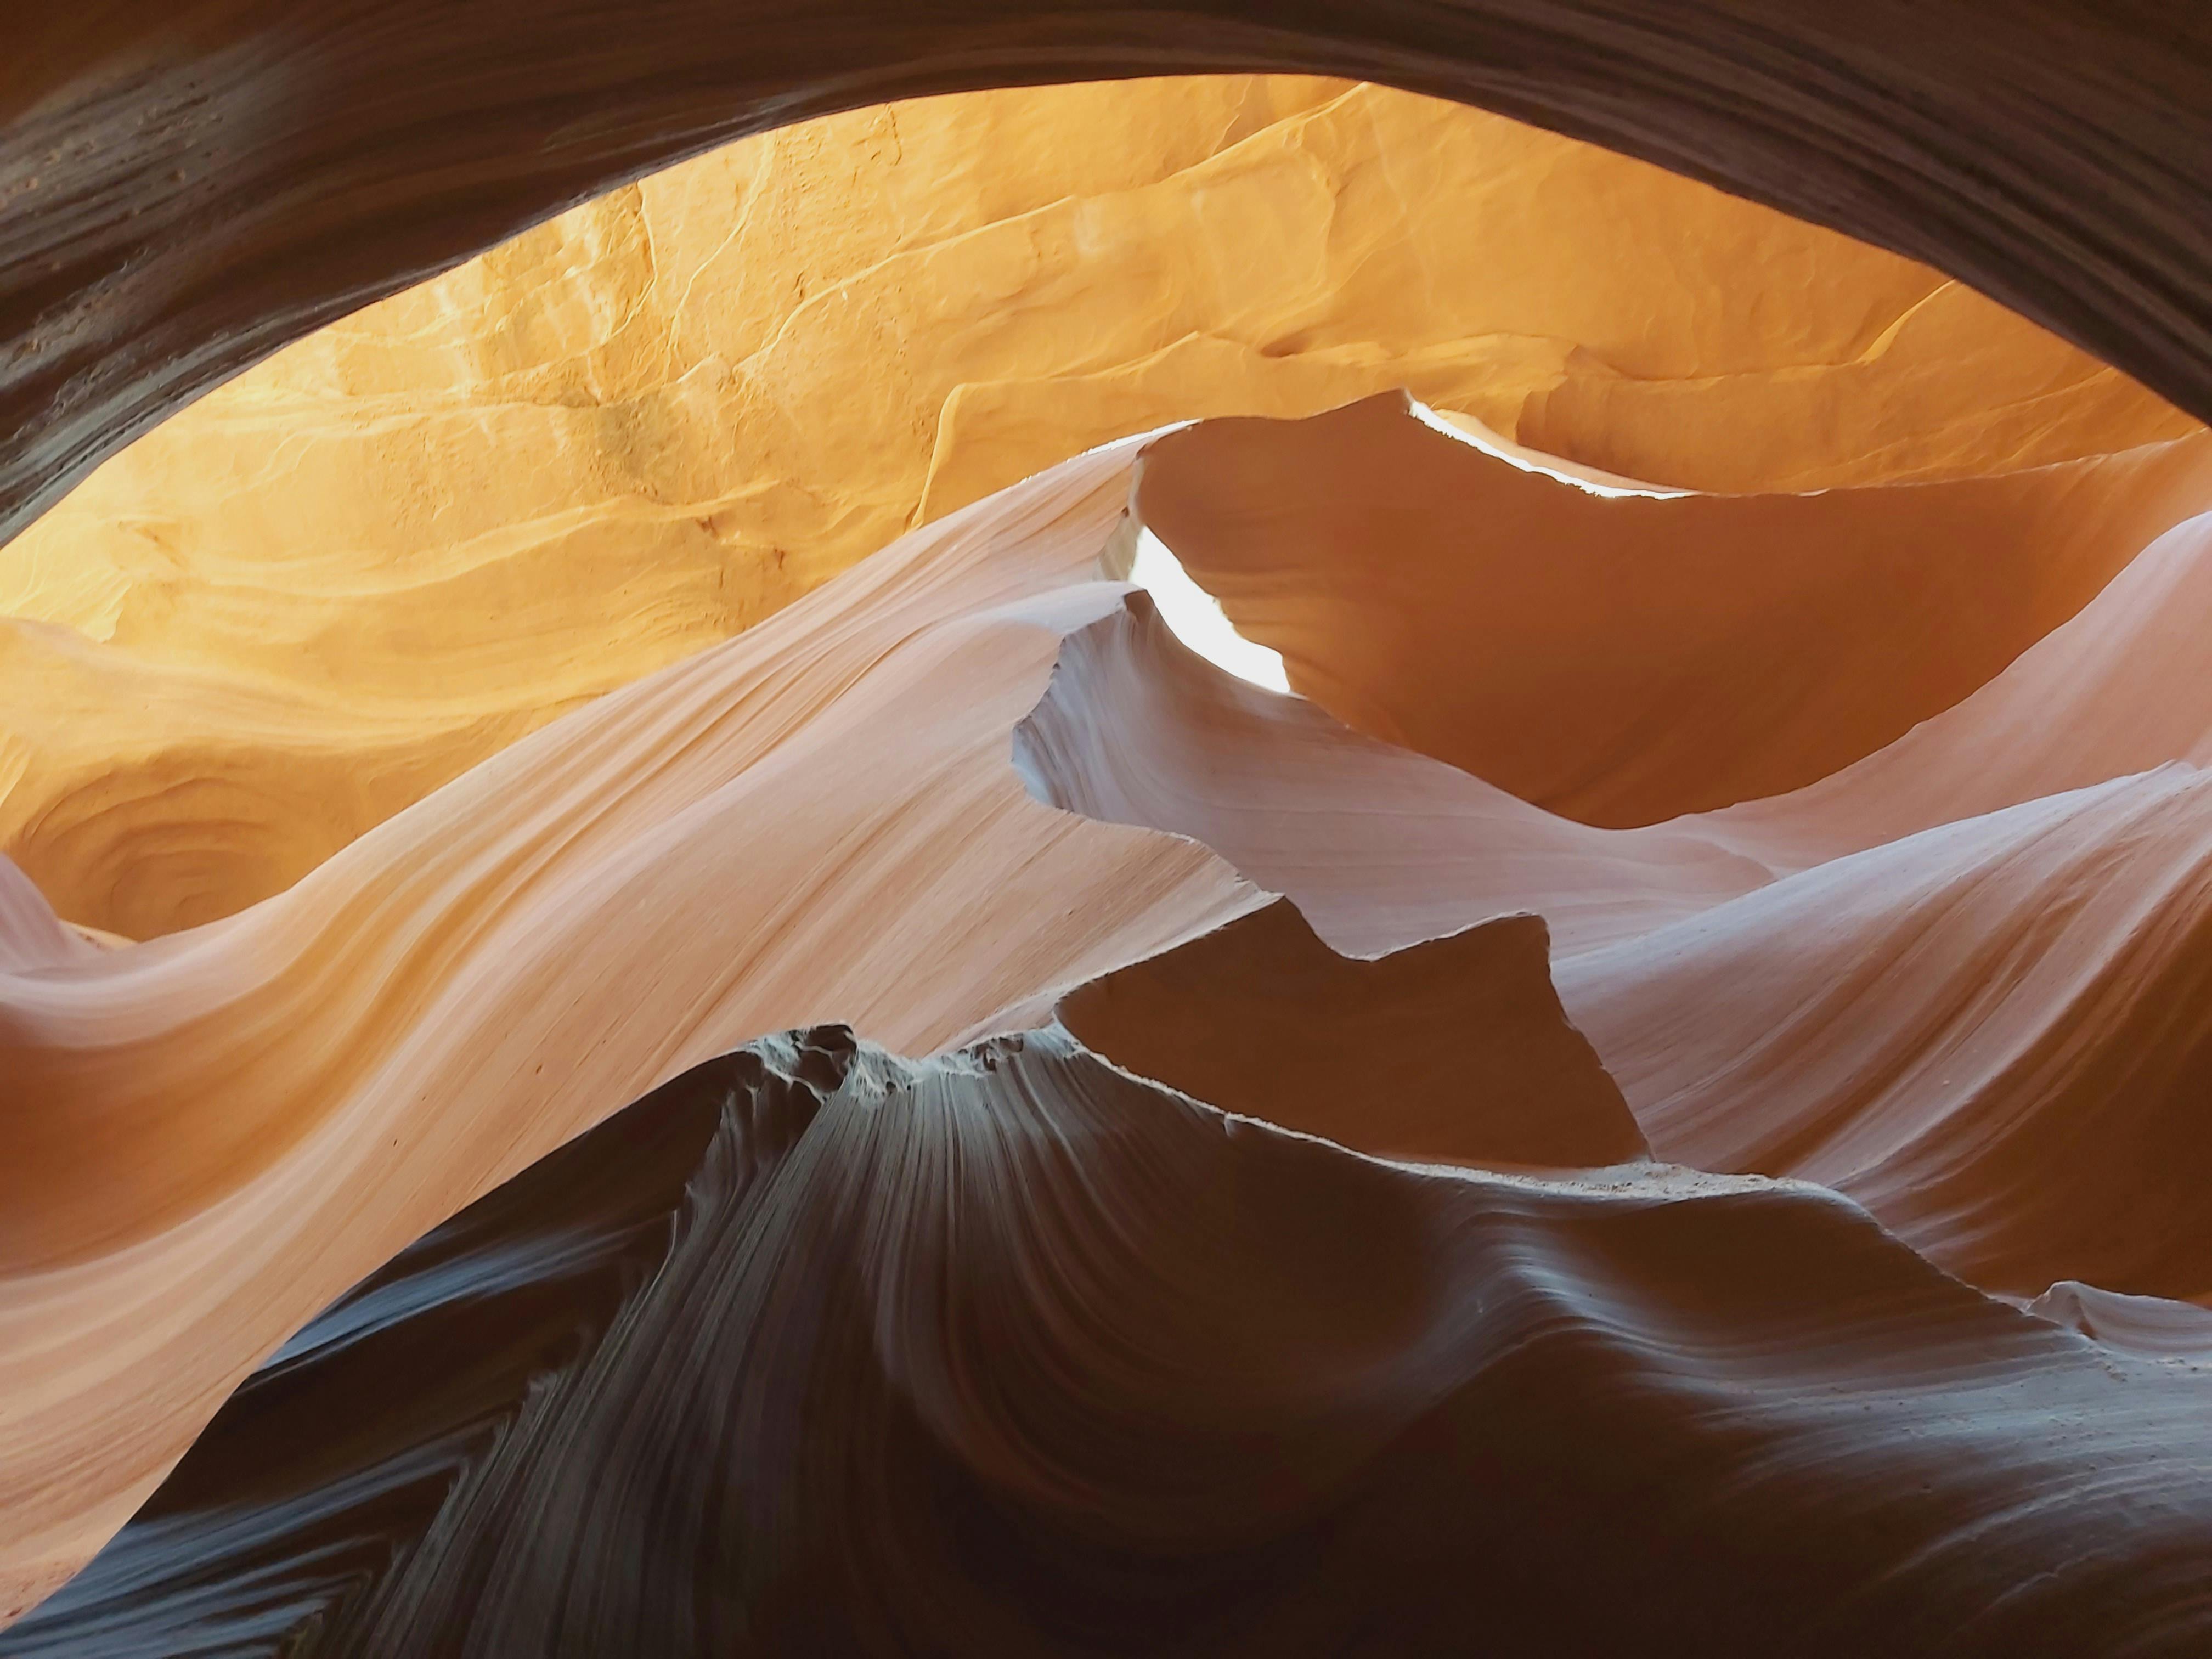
(816, 1349)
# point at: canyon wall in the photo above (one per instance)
(392, 550)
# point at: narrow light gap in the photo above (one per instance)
(1525, 460)
(1195, 617)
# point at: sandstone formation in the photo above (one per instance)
(1957, 980)
(1261, 1017)
(1625, 659)
(237, 1122)
(391, 550)
(733, 1048)
(211, 1135)
(1245, 1410)
(1379, 846)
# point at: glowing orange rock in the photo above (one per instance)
(641, 428)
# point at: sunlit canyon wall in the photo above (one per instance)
(646, 1008)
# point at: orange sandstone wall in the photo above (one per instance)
(642, 427)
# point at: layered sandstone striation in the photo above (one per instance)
(1960, 978)
(1008, 1345)
(857, 810)
(210, 1136)
(391, 550)
(746, 1053)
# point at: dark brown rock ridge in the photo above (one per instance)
(816, 1350)
(185, 187)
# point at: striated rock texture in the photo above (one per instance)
(818, 1350)
(1958, 983)
(204, 1139)
(1962, 979)
(1657, 1104)
(391, 550)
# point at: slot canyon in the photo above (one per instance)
(1038, 829)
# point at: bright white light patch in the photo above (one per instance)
(1435, 422)
(1195, 617)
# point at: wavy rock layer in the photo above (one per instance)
(1977, 1032)
(1015, 1348)
(1623, 660)
(390, 551)
(208, 1137)
(1009, 1349)
(1960, 980)
(1379, 847)
(345, 1446)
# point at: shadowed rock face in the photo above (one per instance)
(1455, 1049)
(185, 187)
(820, 1350)
(348, 1443)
